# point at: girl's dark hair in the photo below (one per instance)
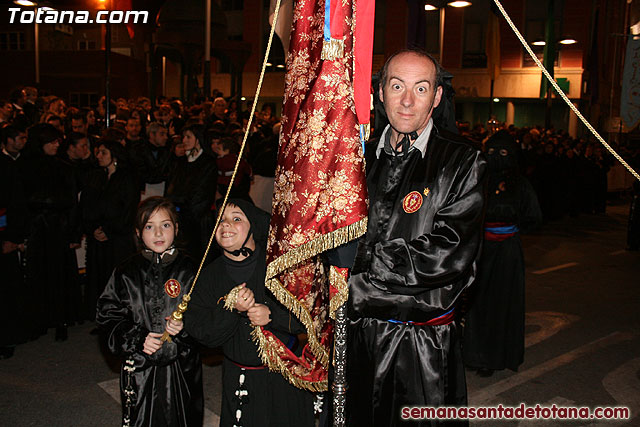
(197, 131)
(116, 150)
(147, 207)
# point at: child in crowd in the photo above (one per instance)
(251, 394)
(160, 382)
(227, 150)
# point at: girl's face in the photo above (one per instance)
(159, 231)
(51, 148)
(233, 230)
(104, 157)
(189, 141)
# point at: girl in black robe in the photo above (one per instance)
(494, 327)
(160, 382)
(108, 206)
(251, 395)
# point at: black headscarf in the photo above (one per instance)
(258, 224)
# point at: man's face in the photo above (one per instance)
(158, 138)
(32, 95)
(15, 145)
(6, 111)
(77, 125)
(80, 150)
(133, 128)
(219, 107)
(56, 123)
(22, 99)
(410, 94)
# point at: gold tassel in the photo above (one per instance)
(337, 280)
(367, 131)
(270, 358)
(332, 50)
(231, 298)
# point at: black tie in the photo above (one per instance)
(403, 145)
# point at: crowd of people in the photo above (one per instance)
(569, 175)
(71, 186)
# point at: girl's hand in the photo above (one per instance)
(259, 315)
(152, 343)
(245, 299)
(173, 326)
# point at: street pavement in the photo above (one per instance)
(582, 342)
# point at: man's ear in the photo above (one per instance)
(438, 97)
(381, 92)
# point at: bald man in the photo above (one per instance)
(426, 203)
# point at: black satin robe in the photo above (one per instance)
(168, 383)
(413, 267)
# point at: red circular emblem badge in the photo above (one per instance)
(412, 202)
(172, 288)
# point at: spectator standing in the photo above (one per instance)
(108, 209)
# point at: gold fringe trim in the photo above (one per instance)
(298, 255)
(231, 298)
(317, 246)
(332, 49)
(287, 299)
(337, 280)
(270, 358)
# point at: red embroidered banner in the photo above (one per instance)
(320, 199)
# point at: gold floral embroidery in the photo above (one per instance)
(284, 195)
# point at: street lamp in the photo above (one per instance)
(106, 5)
(433, 5)
(36, 33)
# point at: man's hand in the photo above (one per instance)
(152, 343)
(259, 315)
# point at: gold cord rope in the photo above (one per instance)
(562, 94)
(182, 307)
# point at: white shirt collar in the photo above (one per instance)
(5, 152)
(192, 157)
(419, 144)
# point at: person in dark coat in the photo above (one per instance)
(108, 206)
(12, 215)
(192, 188)
(160, 382)
(51, 198)
(494, 328)
(152, 159)
(426, 202)
(229, 299)
(77, 154)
